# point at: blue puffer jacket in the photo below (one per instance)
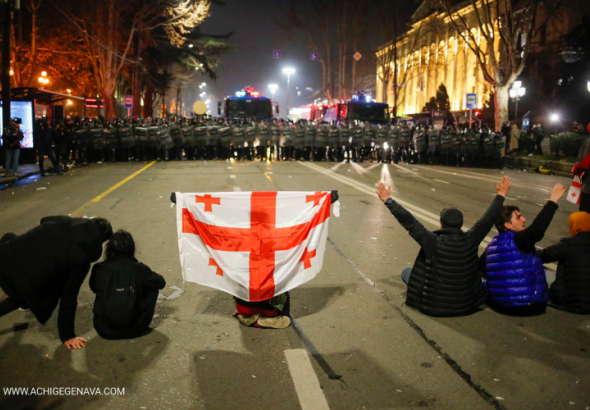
(513, 278)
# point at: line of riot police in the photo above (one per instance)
(208, 138)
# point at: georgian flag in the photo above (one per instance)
(575, 189)
(253, 245)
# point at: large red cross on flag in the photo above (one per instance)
(253, 245)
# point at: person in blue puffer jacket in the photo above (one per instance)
(515, 276)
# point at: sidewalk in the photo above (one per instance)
(24, 171)
(561, 168)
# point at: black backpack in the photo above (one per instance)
(120, 308)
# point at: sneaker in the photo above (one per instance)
(277, 322)
(24, 309)
(248, 320)
(530, 155)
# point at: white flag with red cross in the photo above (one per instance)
(253, 245)
(575, 190)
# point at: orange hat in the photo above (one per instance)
(579, 222)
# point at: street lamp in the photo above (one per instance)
(588, 84)
(554, 118)
(516, 93)
(288, 71)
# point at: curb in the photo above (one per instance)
(10, 180)
(562, 169)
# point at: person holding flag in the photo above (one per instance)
(255, 246)
(580, 190)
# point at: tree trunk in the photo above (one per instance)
(109, 109)
(148, 102)
(501, 104)
(137, 78)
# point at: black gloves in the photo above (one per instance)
(334, 196)
(173, 197)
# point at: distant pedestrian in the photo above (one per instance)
(445, 279)
(506, 134)
(515, 276)
(44, 146)
(126, 291)
(539, 133)
(571, 289)
(11, 139)
(47, 265)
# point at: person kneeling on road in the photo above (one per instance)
(126, 291)
(445, 280)
(515, 276)
(571, 289)
(47, 265)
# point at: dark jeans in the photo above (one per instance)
(538, 143)
(41, 152)
(406, 274)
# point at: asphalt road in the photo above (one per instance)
(354, 344)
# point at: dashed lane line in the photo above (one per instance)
(305, 380)
(237, 189)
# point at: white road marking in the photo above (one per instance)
(305, 380)
(230, 167)
(418, 212)
(444, 182)
(232, 176)
(237, 189)
(270, 173)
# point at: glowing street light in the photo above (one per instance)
(588, 85)
(190, 46)
(288, 71)
(273, 89)
(554, 117)
(69, 91)
(43, 73)
(516, 93)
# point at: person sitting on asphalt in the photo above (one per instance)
(571, 289)
(515, 276)
(445, 279)
(47, 265)
(126, 291)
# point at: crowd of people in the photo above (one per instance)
(448, 277)
(79, 141)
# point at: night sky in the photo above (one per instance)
(251, 62)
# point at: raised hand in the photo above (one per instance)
(503, 187)
(558, 192)
(383, 192)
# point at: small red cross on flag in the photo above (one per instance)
(208, 201)
(306, 258)
(575, 189)
(213, 263)
(262, 240)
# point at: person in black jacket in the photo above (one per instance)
(445, 279)
(120, 260)
(47, 265)
(571, 289)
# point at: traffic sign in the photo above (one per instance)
(471, 101)
(313, 56)
(128, 101)
(276, 54)
(357, 56)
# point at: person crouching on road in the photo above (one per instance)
(126, 291)
(47, 265)
(515, 276)
(571, 289)
(445, 279)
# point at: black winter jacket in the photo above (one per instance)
(146, 282)
(49, 263)
(571, 289)
(445, 279)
